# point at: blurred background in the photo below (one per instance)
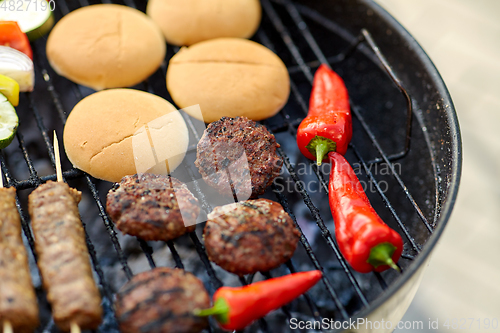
(462, 38)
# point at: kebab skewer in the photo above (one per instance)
(18, 304)
(63, 257)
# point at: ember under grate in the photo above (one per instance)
(382, 123)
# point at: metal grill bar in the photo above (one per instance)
(175, 255)
(109, 228)
(386, 200)
(68, 174)
(65, 9)
(304, 29)
(393, 171)
(200, 248)
(148, 251)
(285, 34)
(305, 243)
(55, 96)
(33, 174)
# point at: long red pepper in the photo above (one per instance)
(367, 243)
(328, 125)
(11, 35)
(236, 308)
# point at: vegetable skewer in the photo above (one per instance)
(11, 35)
(18, 304)
(63, 257)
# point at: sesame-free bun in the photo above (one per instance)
(110, 134)
(106, 46)
(186, 22)
(228, 77)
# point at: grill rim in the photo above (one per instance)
(452, 188)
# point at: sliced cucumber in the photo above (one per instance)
(8, 122)
(10, 88)
(33, 16)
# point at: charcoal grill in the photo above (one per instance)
(406, 151)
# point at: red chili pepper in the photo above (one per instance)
(236, 308)
(11, 35)
(328, 125)
(367, 243)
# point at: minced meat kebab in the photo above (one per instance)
(18, 304)
(63, 257)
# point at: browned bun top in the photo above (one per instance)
(229, 77)
(186, 22)
(108, 134)
(106, 46)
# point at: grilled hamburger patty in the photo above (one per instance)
(250, 236)
(149, 206)
(224, 142)
(162, 300)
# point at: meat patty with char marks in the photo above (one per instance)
(162, 300)
(223, 143)
(149, 206)
(250, 236)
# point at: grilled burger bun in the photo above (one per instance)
(228, 77)
(111, 134)
(186, 22)
(106, 46)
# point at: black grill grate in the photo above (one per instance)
(286, 123)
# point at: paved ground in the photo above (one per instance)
(462, 37)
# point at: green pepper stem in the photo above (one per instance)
(381, 254)
(220, 310)
(319, 146)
